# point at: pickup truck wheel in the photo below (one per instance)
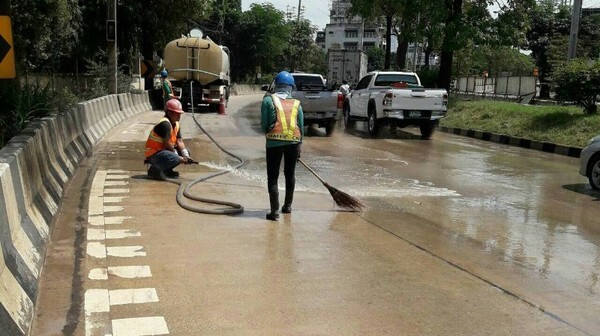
(594, 172)
(373, 124)
(348, 122)
(428, 129)
(329, 127)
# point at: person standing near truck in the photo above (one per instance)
(345, 88)
(167, 88)
(282, 120)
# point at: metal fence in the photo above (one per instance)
(513, 87)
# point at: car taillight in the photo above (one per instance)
(340, 101)
(387, 99)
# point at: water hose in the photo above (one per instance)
(184, 189)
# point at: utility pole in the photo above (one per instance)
(111, 38)
(299, 6)
(574, 29)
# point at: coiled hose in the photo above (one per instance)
(184, 190)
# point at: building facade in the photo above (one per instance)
(344, 32)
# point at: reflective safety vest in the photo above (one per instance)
(285, 128)
(155, 142)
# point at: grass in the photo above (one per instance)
(564, 125)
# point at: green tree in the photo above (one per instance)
(374, 9)
(299, 45)
(578, 80)
(549, 24)
(376, 58)
(45, 32)
(474, 60)
(589, 37)
(266, 35)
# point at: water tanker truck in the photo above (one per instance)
(199, 69)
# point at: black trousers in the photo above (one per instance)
(289, 153)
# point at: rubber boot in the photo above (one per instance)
(287, 204)
(274, 200)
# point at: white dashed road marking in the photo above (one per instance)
(132, 296)
(141, 326)
(99, 300)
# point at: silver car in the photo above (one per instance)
(589, 162)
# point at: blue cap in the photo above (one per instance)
(164, 74)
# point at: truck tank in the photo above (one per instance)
(196, 58)
(199, 69)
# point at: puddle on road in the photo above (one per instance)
(365, 181)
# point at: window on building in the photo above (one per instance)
(351, 33)
(369, 34)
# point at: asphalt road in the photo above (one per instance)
(460, 237)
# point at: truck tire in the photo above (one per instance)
(373, 123)
(213, 107)
(329, 127)
(348, 122)
(427, 129)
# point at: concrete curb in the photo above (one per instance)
(35, 168)
(514, 141)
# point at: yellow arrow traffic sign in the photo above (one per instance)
(7, 53)
(147, 70)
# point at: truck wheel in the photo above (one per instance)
(213, 107)
(348, 122)
(594, 172)
(373, 124)
(329, 127)
(427, 129)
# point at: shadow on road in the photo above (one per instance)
(583, 188)
(385, 132)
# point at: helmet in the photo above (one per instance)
(174, 105)
(164, 74)
(284, 78)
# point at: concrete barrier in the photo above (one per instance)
(35, 169)
(243, 89)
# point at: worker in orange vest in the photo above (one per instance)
(282, 120)
(165, 149)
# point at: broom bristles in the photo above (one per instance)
(344, 200)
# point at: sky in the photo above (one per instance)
(317, 11)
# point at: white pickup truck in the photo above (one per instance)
(319, 104)
(397, 99)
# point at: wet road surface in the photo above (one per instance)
(460, 237)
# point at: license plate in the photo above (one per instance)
(414, 114)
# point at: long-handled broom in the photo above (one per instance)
(339, 197)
